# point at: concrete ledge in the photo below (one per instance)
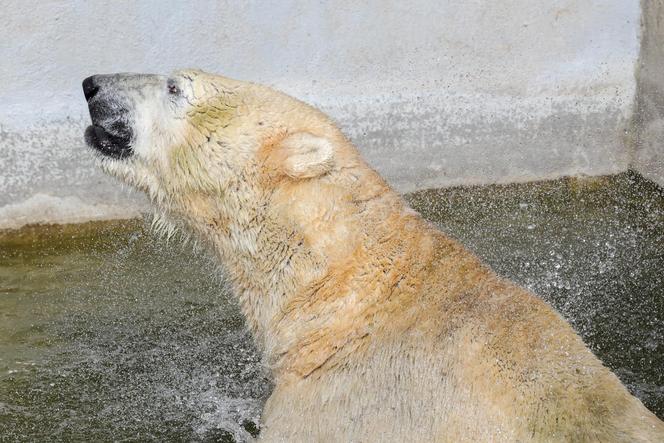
(46, 209)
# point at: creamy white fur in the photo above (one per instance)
(376, 326)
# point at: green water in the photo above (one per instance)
(110, 334)
(107, 333)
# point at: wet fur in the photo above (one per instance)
(375, 325)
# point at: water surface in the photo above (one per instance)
(108, 333)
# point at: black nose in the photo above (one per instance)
(90, 88)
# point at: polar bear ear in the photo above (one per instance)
(304, 155)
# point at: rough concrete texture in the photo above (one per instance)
(44, 208)
(649, 116)
(434, 93)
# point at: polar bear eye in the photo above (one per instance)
(173, 88)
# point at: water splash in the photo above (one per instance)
(107, 333)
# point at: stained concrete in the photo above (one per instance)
(433, 93)
(649, 116)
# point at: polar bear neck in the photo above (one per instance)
(285, 248)
(264, 259)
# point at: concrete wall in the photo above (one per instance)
(649, 116)
(434, 93)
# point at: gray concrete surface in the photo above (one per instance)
(649, 116)
(434, 93)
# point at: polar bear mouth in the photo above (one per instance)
(108, 144)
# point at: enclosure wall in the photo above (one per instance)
(433, 93)
(649, 118)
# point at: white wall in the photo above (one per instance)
(433, 92)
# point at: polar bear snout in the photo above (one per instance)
(110, 133)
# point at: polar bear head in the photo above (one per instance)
(193, 134)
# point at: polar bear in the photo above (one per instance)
(375, 325)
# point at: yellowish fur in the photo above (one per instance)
(375, 325)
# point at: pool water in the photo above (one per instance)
(109, 333)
